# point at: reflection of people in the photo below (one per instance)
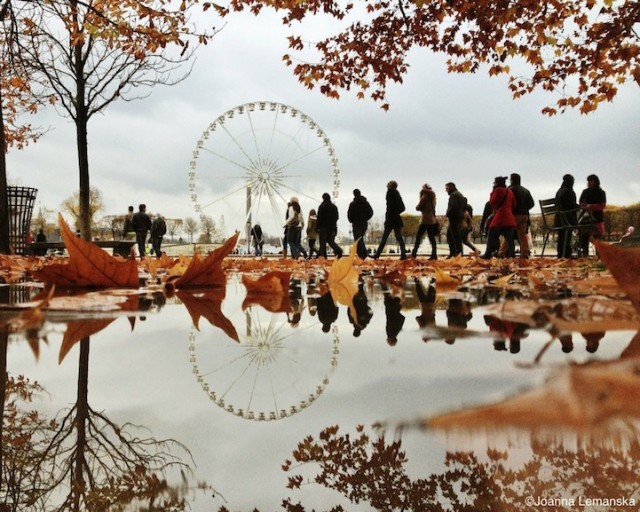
(593, 340)
(395, 319)
(458, 314)
(362, 309)
(427, 316)
(503, 329)
(296, 301)
(327, 311)
(566, 340)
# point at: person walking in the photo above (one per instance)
(158, 230)
(467, 229)
(294, 225)
(141, 224)
(455, 215)
(393, 220)
(256, 237)
(502, 222)
(592, 200)
(127, 230)
(312, 232)
(327, 226)
(567, 208)
(358, 214)
(524, 203)
(428, 223)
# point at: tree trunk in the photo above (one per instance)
(82, 120)
(5, 247)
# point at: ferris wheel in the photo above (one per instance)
(251, 159)
(273, 372)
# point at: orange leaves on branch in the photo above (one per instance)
(89, 266)
(207, 271)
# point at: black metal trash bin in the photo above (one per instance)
(20, 201)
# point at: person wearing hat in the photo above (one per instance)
(393, 220)
(327, 226)
(358, 214)
(503, 222)
(428, 223)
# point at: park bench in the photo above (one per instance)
(120, 247)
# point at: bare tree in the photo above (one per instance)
(173, 226)
(190, 227)
(72, 206)
(90, 54)
(208, 227)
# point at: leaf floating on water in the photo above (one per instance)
(89, 266)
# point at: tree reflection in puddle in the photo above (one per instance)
(320, 364)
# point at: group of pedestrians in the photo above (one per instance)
(139, 224)
(505, 220)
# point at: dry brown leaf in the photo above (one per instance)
(208, 304)
(342, 280)
(88, 267)
(274, 282)
(444, 281)
(624, 264)
(208, 271)
(78, 330)
(597, 394)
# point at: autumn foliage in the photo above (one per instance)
(583, 49)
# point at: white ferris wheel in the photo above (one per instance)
(251, 159)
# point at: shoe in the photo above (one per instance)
(403, 256)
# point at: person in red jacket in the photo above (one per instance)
(503, 222)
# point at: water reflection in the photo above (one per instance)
(510, 398)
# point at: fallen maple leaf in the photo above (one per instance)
(342, 280)
(208, 305)
(271, 291)
(444, 281)
(78, 330)
(624, 264)
(593, 395)
(89, 266)
(207, 271)
(276, 281)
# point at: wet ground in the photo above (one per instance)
(326, 406)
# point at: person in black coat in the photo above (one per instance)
(567, 205)
(359, 213)
(393, 220)
(327, 226)
(141, 224)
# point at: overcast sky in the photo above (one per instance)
(440, 128)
